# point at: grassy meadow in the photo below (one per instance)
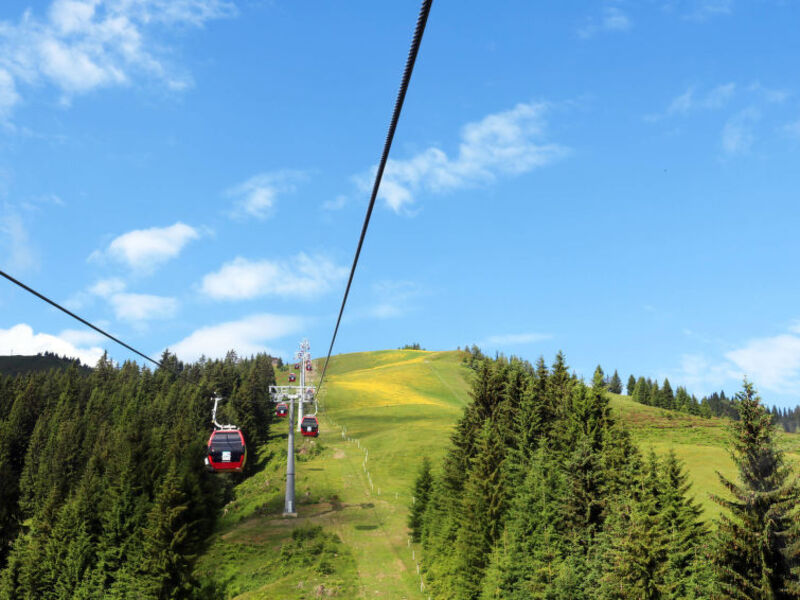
(380, 413)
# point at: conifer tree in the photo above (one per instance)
(683, 401)
(528, 556)
(635, 550)
(599, 379)
(631, 385)
(686, 535)
(667, 396)
(483, 509)
(615, 385)
(422, 491)
(640, 392)
(758, 542)
(164, 568)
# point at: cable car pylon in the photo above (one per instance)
(291, 395)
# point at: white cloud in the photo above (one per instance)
(246, 336)
(20, 339)
(511, 339)
(17, 250)
(145, 249)
(737, 134)
(302, 276)
(106, 287)
(691, 101)
(702, 10)
(714, 98)
(506, 143)
(256, 197)
(771, 95)
(336, 204)
(133, 308)
(386, 310)
(395, 299)
(772, 363)
(81, 337)
(143, 307)
(8, 93)
(703, 376)
(83, 45)
(612, 20)
(793, 128)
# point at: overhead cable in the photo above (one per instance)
(398, 106)
(74, 316)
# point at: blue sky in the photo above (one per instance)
(614, 179)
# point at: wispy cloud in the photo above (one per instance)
(336, 204)
(144, 250)
(703, 375)
(246, 336)
(107, 287)
(793, 129)
(303, 276)
(20, 339)
(393, 299)
(703, 10)
(81, 337)
(693, 100)
(738, 134)
(771, 95)
(772, 363)
(138, 308)
(612, 19)
(83, 45)
(9, 96)
(516, 339)
(18, 253)
(505, 143)
(257, 196)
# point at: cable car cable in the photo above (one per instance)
(82, 320)
(422, 19)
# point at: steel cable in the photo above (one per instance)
(74, 316)
(398, 106)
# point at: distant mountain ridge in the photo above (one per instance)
(18, 364)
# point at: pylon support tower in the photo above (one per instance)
(292, 394)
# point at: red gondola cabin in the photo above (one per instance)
(292, 377)
(309, 426)
(297, 365)
(308, 366)
(226, 451)
(281, 410)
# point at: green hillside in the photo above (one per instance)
(382, 412)
(17, 364)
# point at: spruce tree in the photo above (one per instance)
(615, 385)
(599, 379)
(482, 512)
(667, 397)
(631, 385)
(686, 535)
(653, 393)
(640, 392)
(758, 541)
(422, 491)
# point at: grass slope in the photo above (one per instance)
(383, 411)
(700, 443)
(396, 407)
